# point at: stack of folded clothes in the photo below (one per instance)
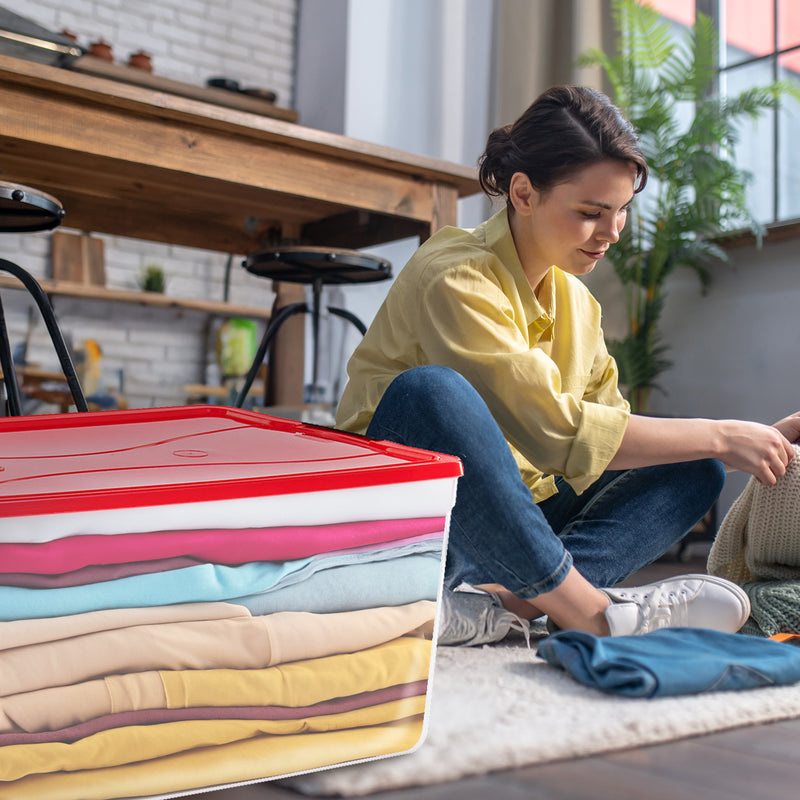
(227, 598)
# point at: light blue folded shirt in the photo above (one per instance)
(353, 587)
(201, 583)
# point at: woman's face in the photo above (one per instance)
(572, 224)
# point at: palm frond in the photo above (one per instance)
(697, 192)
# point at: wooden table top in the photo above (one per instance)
(134, 161)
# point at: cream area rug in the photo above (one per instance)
(498, 707)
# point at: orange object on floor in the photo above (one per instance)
(789, 638)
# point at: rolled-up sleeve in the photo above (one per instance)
(554, 396)
(596, 442)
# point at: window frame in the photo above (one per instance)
(714, 9)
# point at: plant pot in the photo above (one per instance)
(141, 60)
(101, 49)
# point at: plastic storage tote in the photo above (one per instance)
(200, 597)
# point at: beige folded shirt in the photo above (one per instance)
(300, 683)
(18, 633)
(243, 644)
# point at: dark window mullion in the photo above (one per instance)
(746, 62)
(775, 117)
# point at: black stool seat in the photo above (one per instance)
(24, 210)
(317, 267)
(310, 264)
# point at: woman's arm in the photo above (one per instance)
(761, 450)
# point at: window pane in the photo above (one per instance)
(749, 29)
(755, 149)
(677, 10)
(788, 154)
(790, 62)
(788, 23)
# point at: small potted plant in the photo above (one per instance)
(152, 279)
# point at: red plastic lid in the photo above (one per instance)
(60, 463)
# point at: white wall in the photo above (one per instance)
(735, 349)
(416, 78)
(422, 85)
(189, 40)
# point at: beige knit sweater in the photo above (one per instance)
(759, 539)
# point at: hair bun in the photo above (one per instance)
(564, 130)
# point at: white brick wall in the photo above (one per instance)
(190, 40)
(158, 350)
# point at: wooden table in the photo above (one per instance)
(134, 161)
(130, 160)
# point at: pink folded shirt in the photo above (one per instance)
(231, 546)
(95, 573)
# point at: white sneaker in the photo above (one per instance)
(471, 616)
(692, 601)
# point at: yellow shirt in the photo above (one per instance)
(257, 758)
(541, 365)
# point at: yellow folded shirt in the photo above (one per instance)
(116, 746)
(300, 683)
(240, 643)
(209, 767)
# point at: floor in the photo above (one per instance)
(740, 764)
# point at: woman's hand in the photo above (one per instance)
(790, 427)
(764, 451)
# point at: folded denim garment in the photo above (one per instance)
(672, 661)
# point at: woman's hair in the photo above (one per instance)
(565, 129)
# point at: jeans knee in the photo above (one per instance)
(431, 384)
(710, 473)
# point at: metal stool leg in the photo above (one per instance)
(12, 398)
(269, 334)
(272, 329)
(350, 317)
(316, 295)
(46, 310)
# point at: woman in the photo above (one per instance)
(489, 348)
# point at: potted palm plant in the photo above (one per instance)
(664, 84)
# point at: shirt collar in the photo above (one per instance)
(501, 242)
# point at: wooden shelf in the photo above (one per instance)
(221, 97)
(87, 291)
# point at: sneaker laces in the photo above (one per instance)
(661, 609)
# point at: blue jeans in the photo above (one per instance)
(624, 521)
(672, 661)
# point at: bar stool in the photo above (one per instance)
(317, 267)
(23, 210)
